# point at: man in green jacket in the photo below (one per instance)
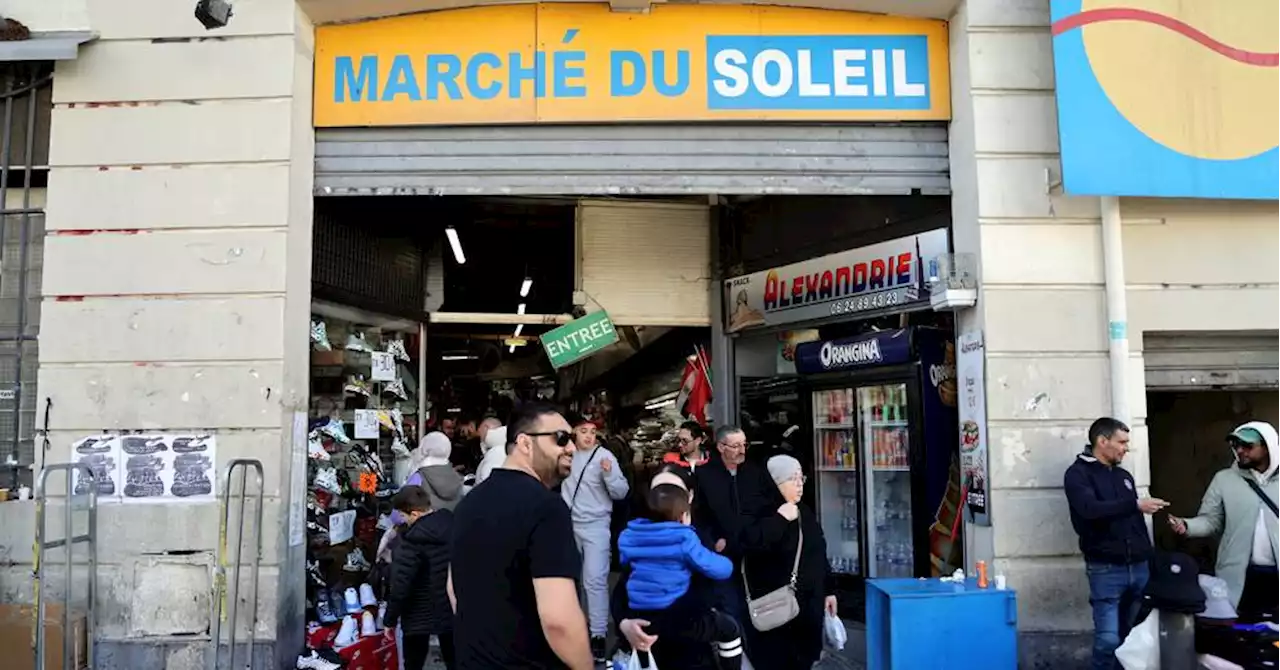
(1240, 505)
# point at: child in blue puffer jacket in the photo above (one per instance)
(663, 552)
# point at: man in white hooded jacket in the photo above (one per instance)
(1240, 507)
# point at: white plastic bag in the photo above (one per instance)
(833, 633)
(1141, 649)
(634, 663)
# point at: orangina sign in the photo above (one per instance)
(566, 63)
(1168, 98)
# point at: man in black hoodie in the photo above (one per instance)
(1108, 516)
(418, 599)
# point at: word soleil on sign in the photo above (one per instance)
(579, 63)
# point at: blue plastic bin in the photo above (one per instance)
(926, 624)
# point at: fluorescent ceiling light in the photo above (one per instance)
(660, 405)
(456, 244)
(520, 308)
(525, 286)
(519, 329)
(664, 397)
(511, 349)
(458, 357)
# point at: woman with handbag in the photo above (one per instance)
(788, 581)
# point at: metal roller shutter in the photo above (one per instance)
(633, 159)
(647, 264)
(1223, 360)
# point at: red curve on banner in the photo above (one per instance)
(1085, 18)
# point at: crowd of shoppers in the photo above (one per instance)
(513, 573)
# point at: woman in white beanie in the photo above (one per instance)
(770, 548)
(494, 445)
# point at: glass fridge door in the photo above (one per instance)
(836, 456)
(885, 437)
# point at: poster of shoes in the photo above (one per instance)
(150, 468)
(102, 454)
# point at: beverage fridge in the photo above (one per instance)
(883, 407)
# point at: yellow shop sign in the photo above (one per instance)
(564, 63)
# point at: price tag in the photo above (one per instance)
(384, 367)
(366, 424)
(342, 526)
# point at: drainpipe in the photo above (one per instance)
(1117, 311)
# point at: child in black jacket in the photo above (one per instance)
(418, 599)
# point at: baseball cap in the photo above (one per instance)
(1245, 434)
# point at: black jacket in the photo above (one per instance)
(1104, 512)
(724, 504)
(769, 546)
(418, 599)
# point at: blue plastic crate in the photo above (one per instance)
(925, 624)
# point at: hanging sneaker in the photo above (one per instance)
(320, 336)
(367, 599)
(351, 601)
(314, 661)
(384, 522)
(348, 635)
(399, 448)
(368, 627)
(356, 562)
(396, 348)
(395, 387)
(313, 573)
(315, 449)
(335, 430)
(327, 479)
(356, 385)
(382, 614)
(356, 342)
(324, 608)
(336, 602)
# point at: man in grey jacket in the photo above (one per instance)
(1240, 506)
(595, 481)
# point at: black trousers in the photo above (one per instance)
(417, 649)
(1258, 600)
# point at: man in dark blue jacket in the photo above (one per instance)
(1107, 515)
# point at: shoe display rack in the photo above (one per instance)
(362, 416)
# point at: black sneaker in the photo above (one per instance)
(598, 649)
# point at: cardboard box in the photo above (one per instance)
(17, 635)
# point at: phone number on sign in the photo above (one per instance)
(866, 302)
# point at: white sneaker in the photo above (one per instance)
(315, 449)
(368, 627)
(395, 387)
(348, 635)
(351, 601)
(396, 348)
(356, 342)
(320, 336)
(314, 661)
(327, 479)
(335, 430)
(356, 563)
(367, 599)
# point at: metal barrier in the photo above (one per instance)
(42, 544)
(221, 592)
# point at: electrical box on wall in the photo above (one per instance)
(953, 281)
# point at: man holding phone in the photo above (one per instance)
(1107, 515)
(1240, 508)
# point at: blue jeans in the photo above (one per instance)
(1115, 592)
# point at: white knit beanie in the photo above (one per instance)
(496, 437)
(434, 449)
(783, 468)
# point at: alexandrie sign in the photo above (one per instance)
(564, 63)
(578, 339)
(883, 276)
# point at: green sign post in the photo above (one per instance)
(578, 339)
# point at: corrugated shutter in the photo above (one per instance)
(633, 159)
(647, 264)
(1221, 360)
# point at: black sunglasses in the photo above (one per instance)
(563, 437)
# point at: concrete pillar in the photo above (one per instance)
(177, 291)
(1042, 310)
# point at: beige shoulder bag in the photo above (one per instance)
(778, 606)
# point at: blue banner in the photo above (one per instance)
(851, 353)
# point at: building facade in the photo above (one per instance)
(177, 274)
